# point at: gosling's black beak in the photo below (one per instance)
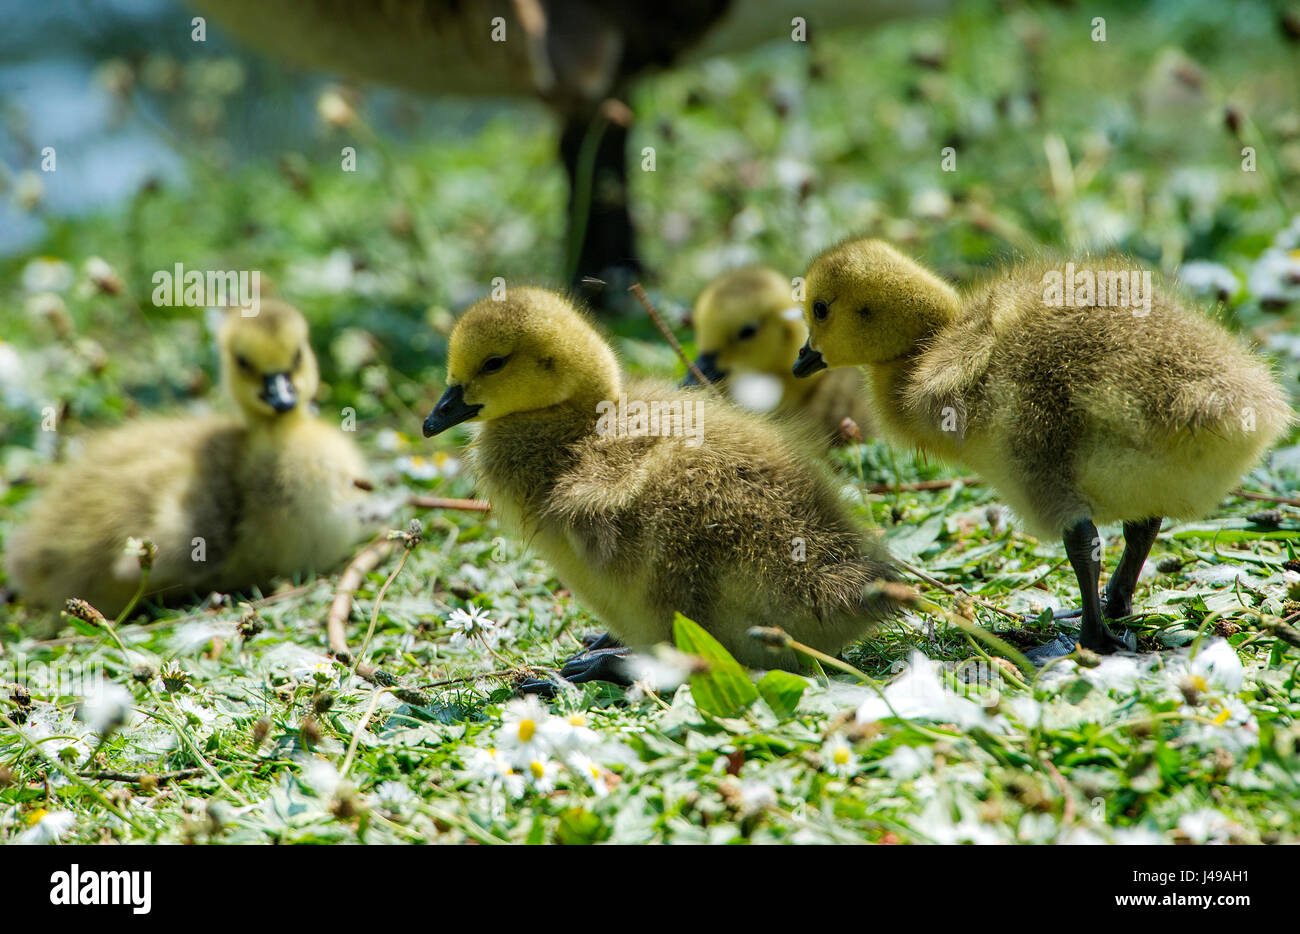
(278, 392)
(707, 364)
(450, 410)
(809, 362)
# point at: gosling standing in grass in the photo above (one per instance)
(230, 503)
(1075, 412)
(725, 521)
(747, 330)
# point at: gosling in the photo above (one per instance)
(1076, 412)
(229, 503)
(716, 514)
(747, 324)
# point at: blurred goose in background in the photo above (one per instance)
(575, 55)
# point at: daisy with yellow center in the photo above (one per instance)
(839, 757)
(523, 735)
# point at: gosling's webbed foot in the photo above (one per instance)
(604, 664)
(1042, 654)
(538, 686)
(597, 640)
(600, 660)
(1102, 639)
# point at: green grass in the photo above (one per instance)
(276, 741)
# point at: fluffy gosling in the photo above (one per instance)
(229, 503)
(734, 527)
(1074, 415)
(747, 329)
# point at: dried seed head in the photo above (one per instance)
(250, 624)
(1169, 564)
(321, 702)
(1267, 518)
(174, 677)
(80, 609)
(144, 550)
(143, 673)
(1232, 119)
(1085, 658)
(20, 696)
(260, 729)
(310, 730)
(774, 637)
(409, 538)
(894, 592)
(103, 276)
(849, 431)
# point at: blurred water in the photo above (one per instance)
(50, 95)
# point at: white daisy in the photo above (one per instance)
(838, 756)
(755, 796)
(1207, 278)
(540, 772)
(393, 796)
(1217, 662)
(490, 768)
(466, 625)
(106, 707)
(569, 733)
(46, 827)
(522, 737)
(590, 772)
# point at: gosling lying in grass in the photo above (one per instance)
(747, 330)
(230, 503)
(728, 523)
(1074, 415)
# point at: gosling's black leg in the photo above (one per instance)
(1083, 548)
(1138, 539)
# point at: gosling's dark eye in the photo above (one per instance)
(747, 332)
(492, 364)
(243, 364)
(821, 310)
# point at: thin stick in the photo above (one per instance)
(954, 591)
(1059, 780)
(437, 502)
(177, 620)
(635, 289)
(921, 485)
(71, 775)
(351, 580)
(1266, 497)
(383, 679)
(374, 612)
(137, 778)
(356, 733)
(504, 672)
